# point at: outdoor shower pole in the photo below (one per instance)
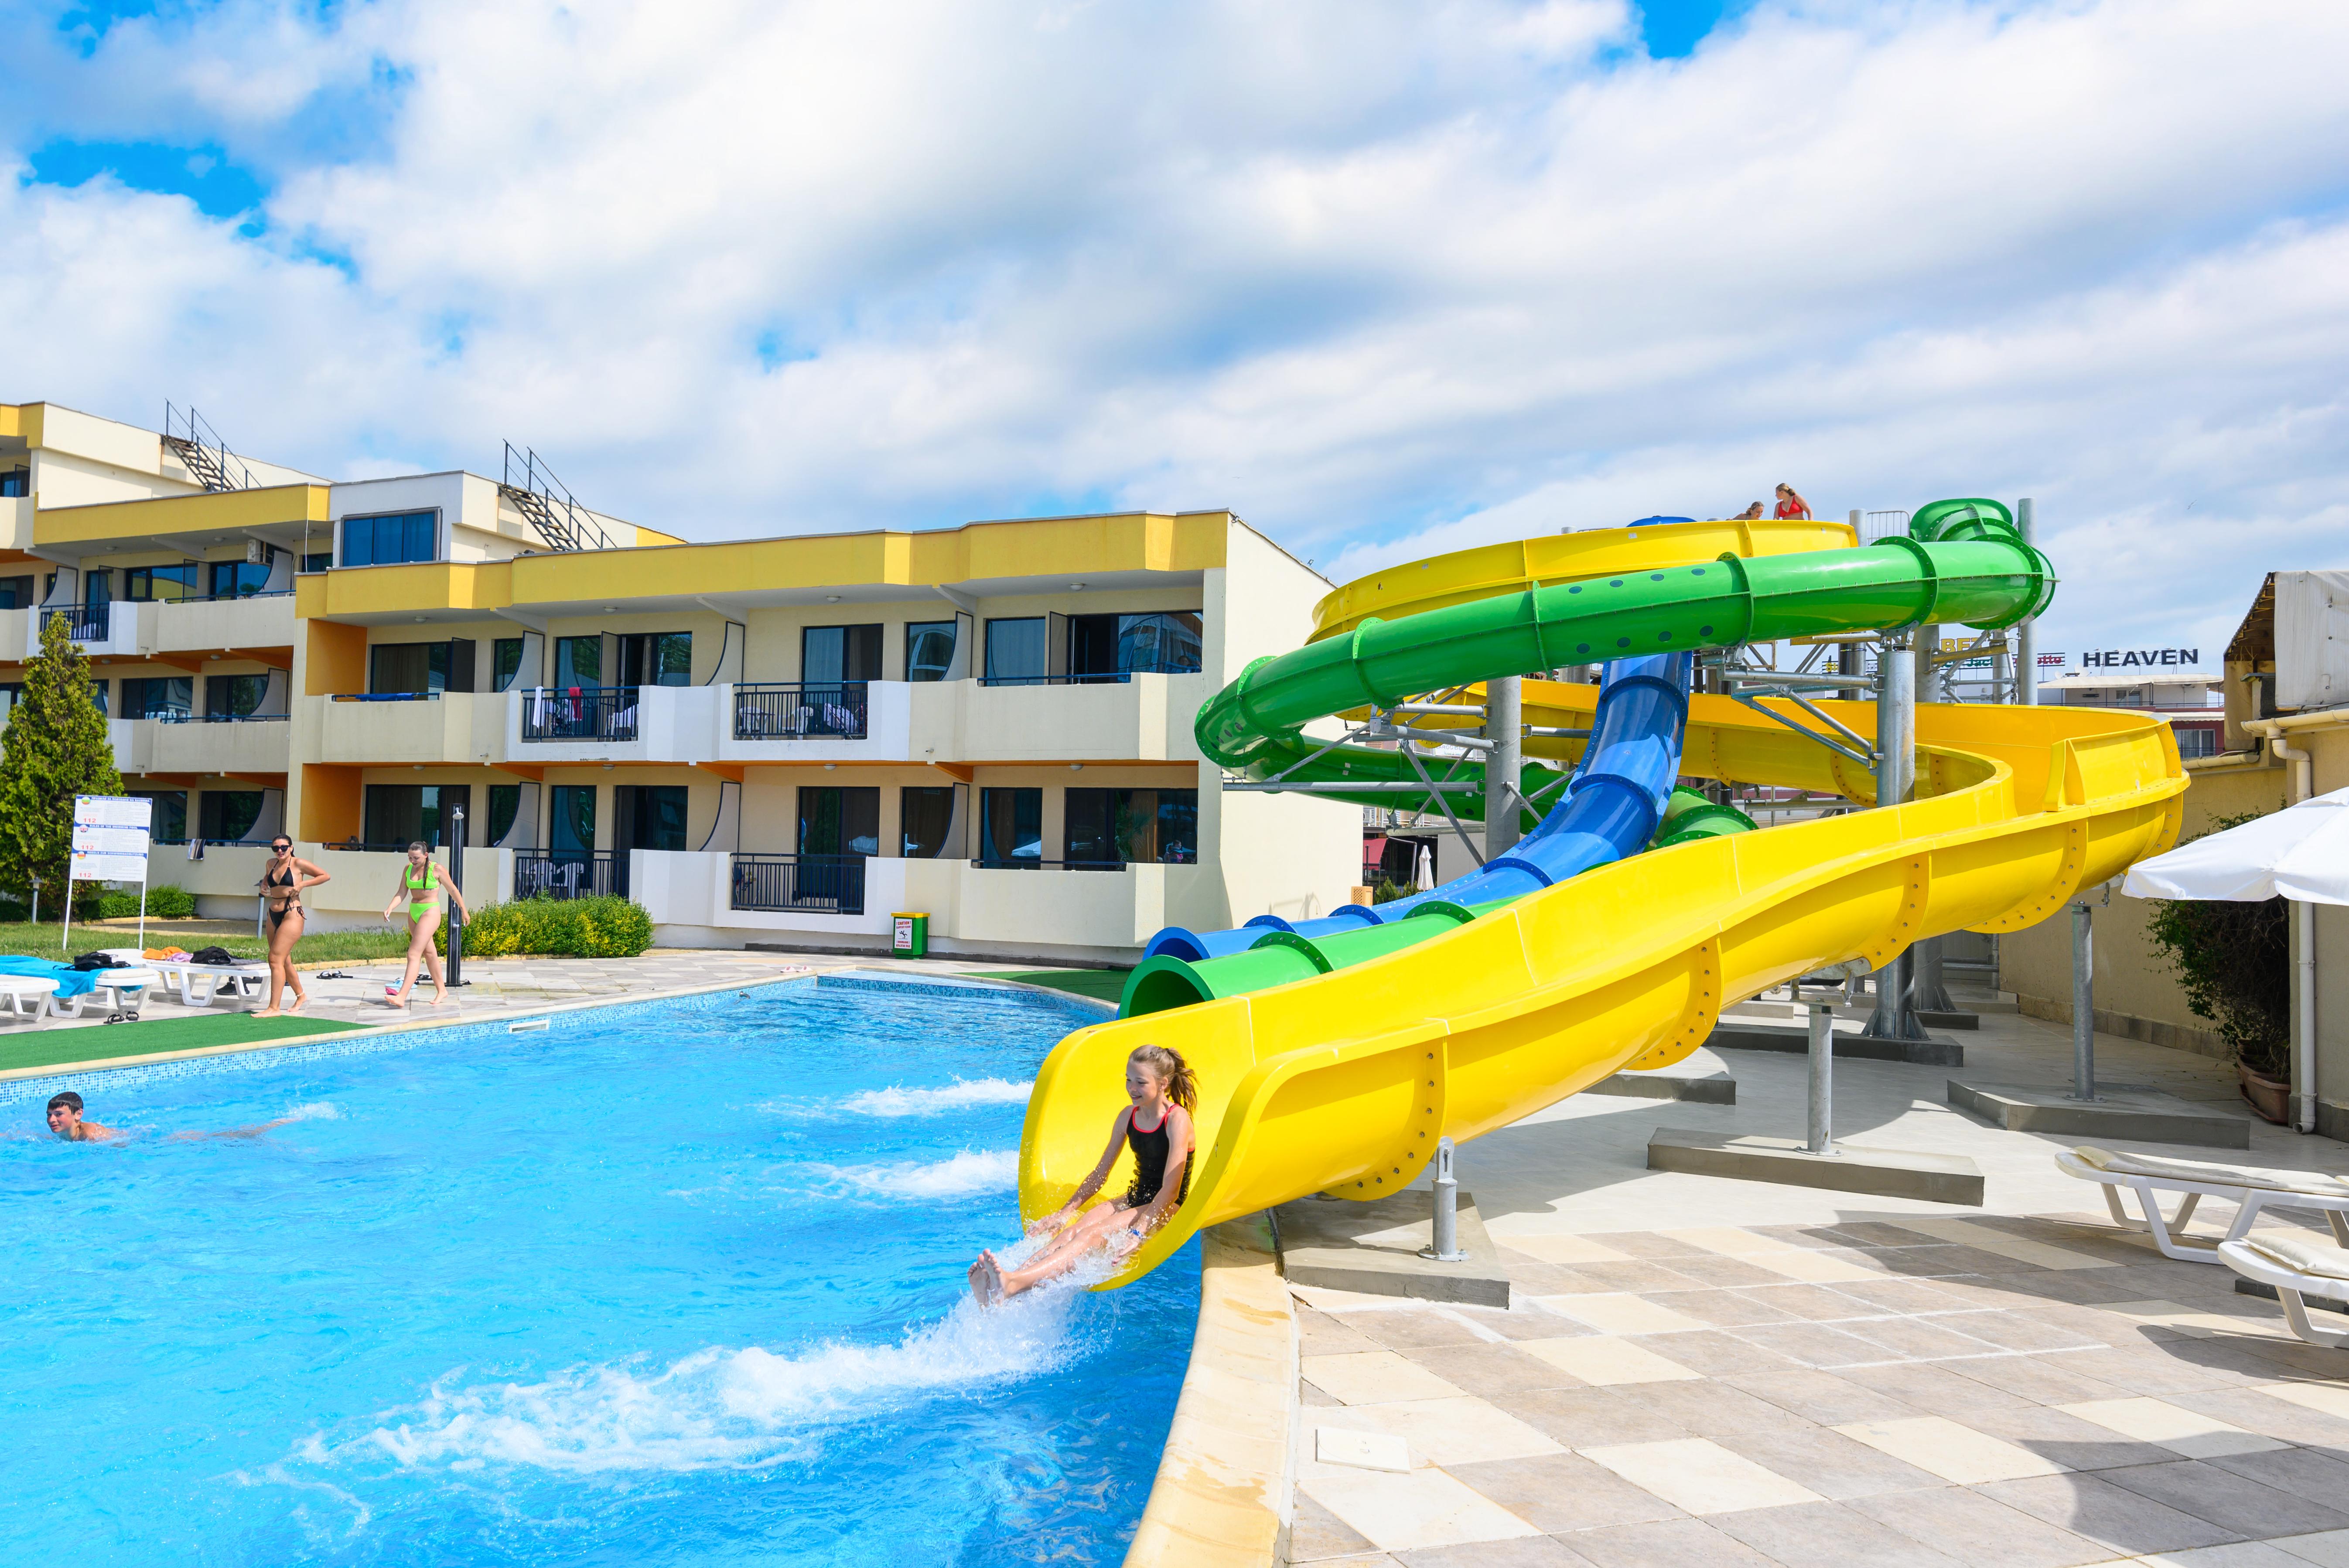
(1896, 747)
(2083, 1002)
(1504, 764)
(456, 928)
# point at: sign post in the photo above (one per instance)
(110, 844)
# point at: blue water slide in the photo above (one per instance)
(1612, 805)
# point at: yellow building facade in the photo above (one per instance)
(780, 741)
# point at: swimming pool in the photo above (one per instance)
(668, 1283)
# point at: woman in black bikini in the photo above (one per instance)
(1158, 1129)
(282, 882)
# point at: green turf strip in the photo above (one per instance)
(1102, 985)
(57, 1047)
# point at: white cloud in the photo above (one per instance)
(1384, 278)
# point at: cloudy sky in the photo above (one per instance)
(1384, 278)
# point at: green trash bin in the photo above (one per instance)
(909, 934)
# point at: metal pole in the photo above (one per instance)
(1925, 989)
(457, 880)
(1896, 758)
(2083, 1003)
(1504, 764)
(1446, 1233)
(2026, 639)
(1822, 1140)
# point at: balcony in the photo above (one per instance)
(219, 626)
(387, 728)
(242, 747)
(580, 713)
(835, 712)
(570, 874)
(839, 721)
(819, 884)
(84, 623)
(610, 724)
(1140, 717)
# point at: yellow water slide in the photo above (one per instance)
(1343, 1082)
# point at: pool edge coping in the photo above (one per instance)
(1222, 1494)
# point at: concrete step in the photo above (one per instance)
(1853, 1168)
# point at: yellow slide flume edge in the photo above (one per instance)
(1343, 1083)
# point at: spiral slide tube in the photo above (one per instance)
(1342, 1081)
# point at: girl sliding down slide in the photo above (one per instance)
(1158, 1129)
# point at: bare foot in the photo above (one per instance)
(399, 1002)
(299, 1003)
(438, 997)
(986, 1280)
(266, 1012)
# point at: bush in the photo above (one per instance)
(165, 903)
(571, 928)
(2234, 961)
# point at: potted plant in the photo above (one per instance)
(2233, 960)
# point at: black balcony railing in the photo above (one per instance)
(84, 623)
(1098, 678)
(579, 713)
(818, 884)
(832, 711)
(215, 717)
(570, 874)
(1022, 863)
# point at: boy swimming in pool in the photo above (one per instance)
(1157, 1126)
(64, 1121)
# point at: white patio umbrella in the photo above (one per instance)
(1424, 879)
(2300, 852)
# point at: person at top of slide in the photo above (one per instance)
(1790, 504)
(1157, 1126)
(1751, 514)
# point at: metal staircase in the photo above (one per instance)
(189, 437)
(548, 504)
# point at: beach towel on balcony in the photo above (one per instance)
(538, 707)
(71, 982)
(838, 720)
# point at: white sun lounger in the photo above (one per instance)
(15, 990)
(198, 985)
(2251, 1187)
(119, 990)
(2295, 1268)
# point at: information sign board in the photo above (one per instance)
(110, 839)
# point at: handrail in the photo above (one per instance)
(549, 504)
(85, 622)
(207, 456)
(801, 710)
(817, 884)
(579, 713)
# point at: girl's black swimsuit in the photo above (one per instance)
(292, 906)
(1150, 1153)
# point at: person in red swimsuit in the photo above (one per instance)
(1790, 504)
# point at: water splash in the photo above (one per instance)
(319, 1110)
(986, 1170)
(895, 1101)
(718, 1407)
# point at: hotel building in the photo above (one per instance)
(780, 741)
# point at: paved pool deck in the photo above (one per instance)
(1711, 1373)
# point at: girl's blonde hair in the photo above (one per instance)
(1168, 1065)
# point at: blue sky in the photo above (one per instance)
(1382, 278)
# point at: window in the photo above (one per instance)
(505, 805)
(323, 561)
(1010, 823)
(234, 696)
(15, 484)
(407, 668)
(398, 815)
(98, 690)
(164, 582)
(170, 823)
(1125, 826)
(929, 650)
(238, 578)
(97, 588)
(159, 696)
(844, 819)
(571, 830)
(926, 818)
(578, 661)
(390, 538)
(1162, 642)
(15, 593)
(228, 815)
(657, 658)
(649, 816)
(2200, 740)
(1015, 650)
(831, 654)
(505, 662)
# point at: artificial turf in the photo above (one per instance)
(1102, 985)
(54, 1048)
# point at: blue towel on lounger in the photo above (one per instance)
(71, 982)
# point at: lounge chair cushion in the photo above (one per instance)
(2325, 1260)
(2313, 1182)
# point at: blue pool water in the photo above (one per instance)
(665, 1284)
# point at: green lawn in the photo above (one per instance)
(54, 1047)
(1102, 985)
(22, 939)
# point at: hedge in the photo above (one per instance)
(164, 902)
(568, 927)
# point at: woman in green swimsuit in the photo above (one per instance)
(421, 888)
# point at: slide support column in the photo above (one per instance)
(1504, 764)
(2083, 1002)
(2026, 638)
(1822, 1138)
(1896, 763)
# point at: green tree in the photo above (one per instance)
(56, 748)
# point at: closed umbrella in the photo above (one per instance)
(2301, 853)
(1425, 878)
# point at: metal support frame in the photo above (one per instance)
(2026, 636)
(1896, 768)
(1822, 1129)
(1505, 736)
(1444, 1233)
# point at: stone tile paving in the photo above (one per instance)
(2042, 1393)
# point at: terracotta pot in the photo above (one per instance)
(2271, 1101)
